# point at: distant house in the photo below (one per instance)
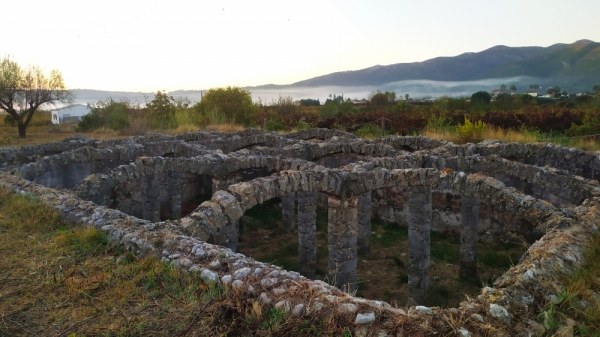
(70, 114)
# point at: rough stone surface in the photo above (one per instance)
(141, 191)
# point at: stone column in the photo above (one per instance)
(469, 215)
(175, 187)
(288, 211)
(341, 242)
(419, 233)
(307, 233)
(364, 222)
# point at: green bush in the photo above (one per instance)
(590, 125)
(227, 105)
(471, 131)
(110, 114)
(161, 111)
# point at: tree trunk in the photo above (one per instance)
(22, 130)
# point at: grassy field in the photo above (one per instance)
(57, 280)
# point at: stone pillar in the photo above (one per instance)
(469, 215)
(419, 233)
(307, 233)
(341, 242)
(151, 203)
(364, 222)
(288, 211)
(175, 188)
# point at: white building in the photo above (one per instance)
(70, 114)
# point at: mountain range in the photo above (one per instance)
(575, 65)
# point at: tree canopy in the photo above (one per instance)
(162, 111)
(481, 97)
(23, 91)
(230, 104)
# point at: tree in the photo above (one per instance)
(22, 92)
(554, 91)
(596, 89)
(230, 104)
(111, 114)
(383, 98)
(481, 97)
(162, 111)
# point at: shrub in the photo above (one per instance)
(227, 105)
(161, 111)
(111, 114)
(471, 131)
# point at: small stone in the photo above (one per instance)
(500, 312)
(478, 318)
(298, 309)
(528, 275)
(279, 291)
(268, 282)
(165, 253)
(348, 307)
(174, 256)
(237, 284)
(317, 306)
(199, 251)
(423, 309)
(537, 328)
(283, 305)
(241, 273)
(226, 279)
(185, 262)
(464, 332)
(209, 276)
(365, 318)
(251, 289)
(265, 299)
(257, 271)
(215, 264)
(195, 269)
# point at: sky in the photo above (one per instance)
(151, 45)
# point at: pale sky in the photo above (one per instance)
(149, 45)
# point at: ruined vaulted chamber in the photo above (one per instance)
(200, 185)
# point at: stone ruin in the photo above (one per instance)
(182, 197)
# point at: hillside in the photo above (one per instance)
(575, 65)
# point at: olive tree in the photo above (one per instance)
(23, 91)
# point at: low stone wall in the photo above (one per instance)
(507, 181)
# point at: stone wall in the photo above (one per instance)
(531, 189)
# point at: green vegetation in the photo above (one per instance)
(227, 105)
(62, 280)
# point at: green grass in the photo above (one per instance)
(61, 280)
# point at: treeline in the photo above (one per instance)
(572, 115)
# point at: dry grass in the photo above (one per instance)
(517, 136)
(57, 280)
(226, 127)
(489, 133)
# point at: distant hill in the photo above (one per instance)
(575, 65)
